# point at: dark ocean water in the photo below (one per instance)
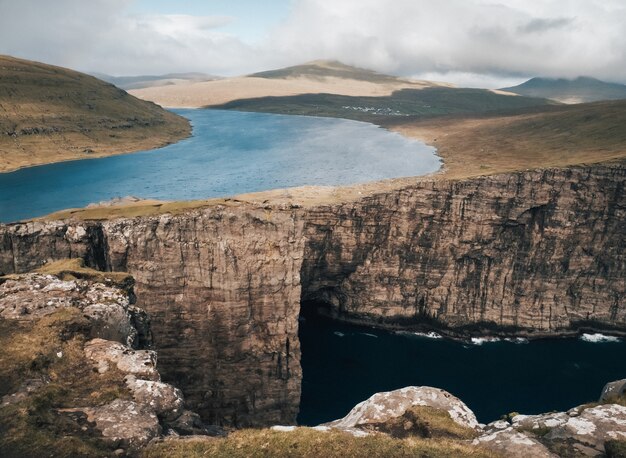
(345, 364)
(229, 153)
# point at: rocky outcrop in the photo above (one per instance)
(532, 253)
(582, 431)
(148, 408)
(108, 308)
(382, 407)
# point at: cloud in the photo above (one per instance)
(493, 41)
(100, 35)
(507, 38)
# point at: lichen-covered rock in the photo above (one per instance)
(123, 421)
(29, 297)
(514, 444)
(591, 429)
(383, 407)
(141, 363)
(165, 400)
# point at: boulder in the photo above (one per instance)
(124, 422)
(613, 390)
(140, 363)
(387, 406)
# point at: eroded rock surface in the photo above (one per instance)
(527, 253)
(581, 431)
(108, 308)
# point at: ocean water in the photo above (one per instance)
(345, 364)
(229, 153)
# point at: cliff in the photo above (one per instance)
(534, 253)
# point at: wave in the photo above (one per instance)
(598, 338)
(427, 335)
(369, 335)
(517, 340)
(482, 340)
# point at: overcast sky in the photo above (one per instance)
(483, 43)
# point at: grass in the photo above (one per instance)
(425, 422)
(53, 114)
(71, 269)
(423, 103)
(309, 443)
(533, 138)
(52, 349)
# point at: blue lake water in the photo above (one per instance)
(229, 153)
(345, 364)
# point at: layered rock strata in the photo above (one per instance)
(533, 253)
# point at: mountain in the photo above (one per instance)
(52, 114)
(329, 69)
(142, 81)
(579, 90)
(318, 77)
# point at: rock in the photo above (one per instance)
(140, 363)
(513, 444)
(613, 390)
(27, 388)
(32, 296)
(165, 400)
(190, 424)
(540, 422)
(124, 421)
(588, 432)
(386, 406)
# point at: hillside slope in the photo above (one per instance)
(578, 90)
(52, 114)
(318, 77)
(142, 81)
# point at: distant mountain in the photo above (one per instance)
(579, 90)
(328, 68)
(143, 81)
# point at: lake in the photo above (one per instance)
(345, 364)
(229, 153)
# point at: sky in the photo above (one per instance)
(477, 43)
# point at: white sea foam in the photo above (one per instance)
(599, 338)
(517, 340)
(429, 335)
(339, 334)
(482, 340)
(369, 335)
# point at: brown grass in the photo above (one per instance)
(309, 443)
(52, 114)
(425, 422)
(70, 269)
(541, 138)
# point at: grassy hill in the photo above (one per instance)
(52, 114)
(326, 69)
(578, 90)
(426, 102)
(537, 137)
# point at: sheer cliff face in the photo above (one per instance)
(538, 251)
